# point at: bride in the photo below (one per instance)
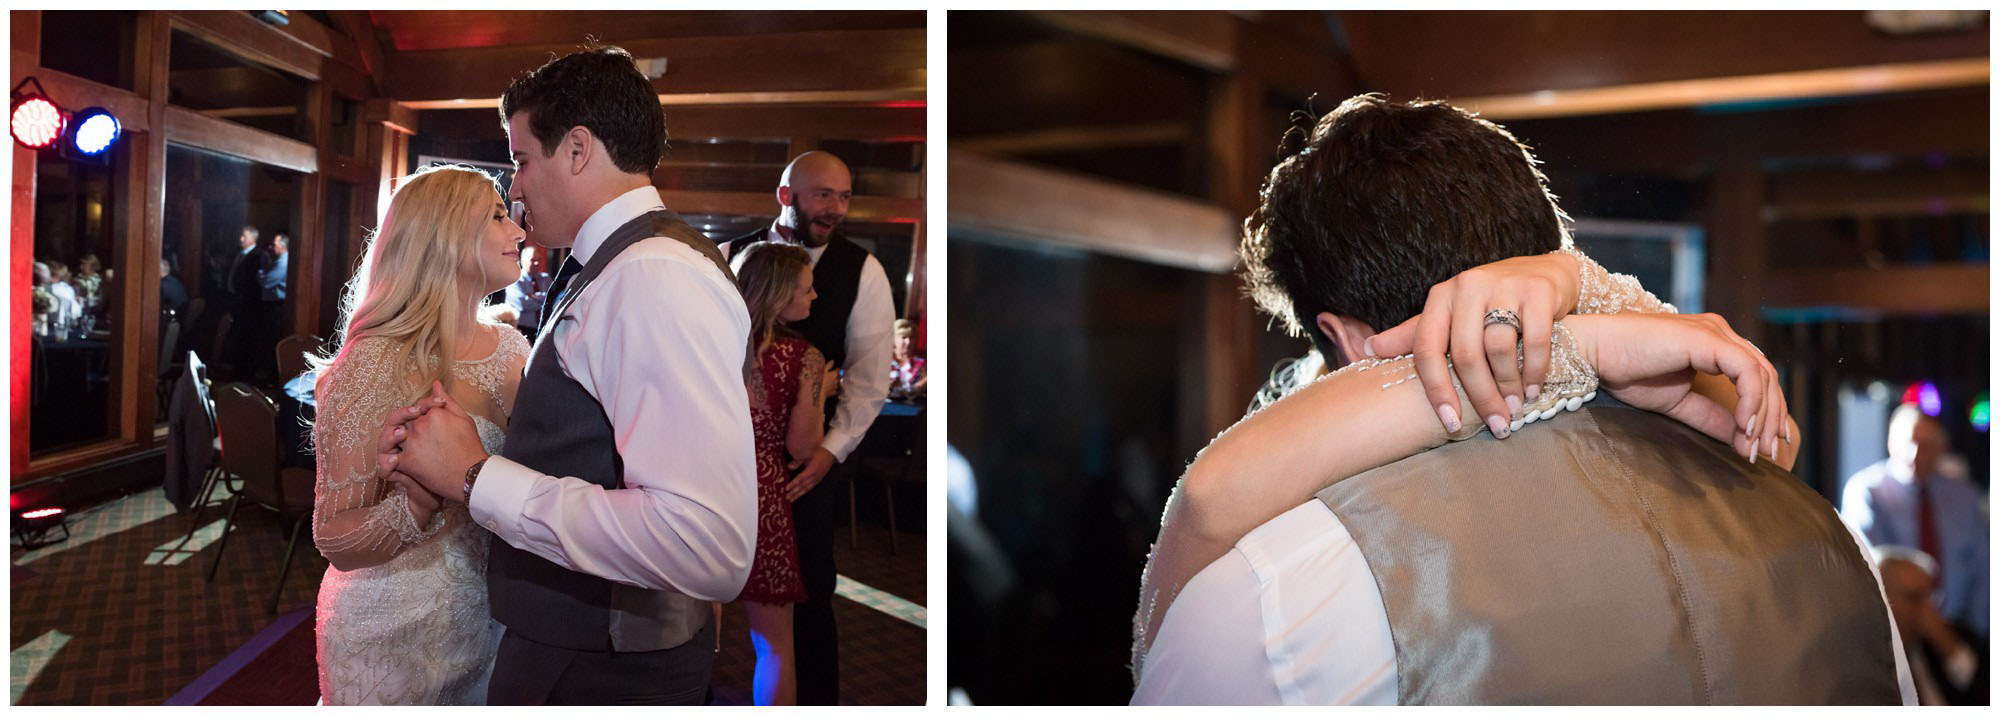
(403, 616)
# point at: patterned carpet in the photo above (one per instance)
(120, 614)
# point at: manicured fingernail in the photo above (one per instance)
(1534, 390)
(1368, 346)
(399, 430)
(1449, 417)
(1774, 448)
(1513, 407)
(1751, 429)
(1498, 425)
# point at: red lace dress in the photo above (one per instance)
(790, 365)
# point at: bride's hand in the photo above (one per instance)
(1649, 360)
(423, 504)
(1538, 289)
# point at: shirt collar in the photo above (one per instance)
(615, 213)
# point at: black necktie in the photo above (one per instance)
(556, 288)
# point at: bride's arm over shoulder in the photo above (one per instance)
(359, 521)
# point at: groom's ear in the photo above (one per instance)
(784, 196)
(577, 144)
(1347, 335)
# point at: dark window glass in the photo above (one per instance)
(94, 45)
(1069, 399)
(234, 315)
(75, 303)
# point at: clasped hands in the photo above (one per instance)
(425, 450)
(1647, 360)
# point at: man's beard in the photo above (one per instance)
(802, 230)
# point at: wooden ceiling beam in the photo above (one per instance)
(1935, 289)
(764, 203)
(415, 30)
(1843, 81)
(1016, 202)
(1061, 139)
(875, 63)
(238, 33)
(905, 122)
(221, 135)
(1200, 38)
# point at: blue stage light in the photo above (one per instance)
(96, 131)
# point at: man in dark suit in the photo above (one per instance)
(852, 324)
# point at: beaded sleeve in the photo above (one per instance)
(1600, 291)
(357, 516)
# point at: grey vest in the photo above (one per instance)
(557, 428)
(1614, 556)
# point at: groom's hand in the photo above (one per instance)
(815, 470)
(439, 445)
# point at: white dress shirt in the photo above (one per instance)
(658, 339)
(1292, 615)
(864, 380)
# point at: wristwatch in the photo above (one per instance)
(472, 476)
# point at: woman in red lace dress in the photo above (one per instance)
(786, 414)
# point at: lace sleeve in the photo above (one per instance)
(808, 421)
(358, 521)
(1600, 291)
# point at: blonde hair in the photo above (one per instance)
(408, 284)
(768, 275)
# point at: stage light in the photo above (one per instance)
(95, 132)
(1982, 413)
(34, 528)
(37, 122)
(92, 132)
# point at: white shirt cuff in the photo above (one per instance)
(500, 495)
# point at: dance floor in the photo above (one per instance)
(120, 614)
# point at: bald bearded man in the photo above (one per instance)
(852, 324)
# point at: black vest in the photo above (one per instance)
(558, 428)
(837, 278)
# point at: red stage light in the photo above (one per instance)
(37, 122)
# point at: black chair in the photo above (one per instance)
(247, 422)
(216, 474)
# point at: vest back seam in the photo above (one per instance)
(1682, 601)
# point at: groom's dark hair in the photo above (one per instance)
(1385, 200)
(599, 89)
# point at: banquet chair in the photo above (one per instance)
(292, 355)
(247, 422)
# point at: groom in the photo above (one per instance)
(626, 496)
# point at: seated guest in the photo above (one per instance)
(1916, 498)
(90, 276)
(69, 305)
(44, 299)
(173, 294)
(1947, 669)
(906, 371)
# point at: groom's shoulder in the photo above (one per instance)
(665, 264)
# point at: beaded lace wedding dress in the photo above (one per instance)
(414, 629)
